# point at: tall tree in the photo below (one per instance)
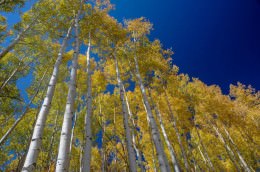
(31, 158)
(130, 149)
(138, 28)
(88, 131)
(63, 159)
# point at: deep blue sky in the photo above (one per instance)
(216, 41)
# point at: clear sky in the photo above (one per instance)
(216, 41)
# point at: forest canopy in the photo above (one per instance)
(104, 96)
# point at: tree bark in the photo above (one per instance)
(49, 157)
(128, 135)
(73, 128)
(206, 157)
(202, 155)
(138, 153)
(81, 159)
(242, 161)
(31, 158)
(103, 129)
(228, 149)
(88, 131)
(163, 162)
(153, 152)
(20, 166)
(63, 159)
(171, 150)
(114, 134)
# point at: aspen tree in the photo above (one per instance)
(164, 165)
(129, 143)
(63, 159)
(31, 158)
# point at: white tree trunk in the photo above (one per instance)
(31, 158)
(242, 161)
(138, 153)
(115, 133)
(153, 152)
(19, 167)
(73, 128)
(172, 152)
(203, 157)
(103, 128)
(129, 144)
(50, 156)
(208, 160)
(88, 132)
(63, 159)
(228, 149)
(81, 159)
(163, 162)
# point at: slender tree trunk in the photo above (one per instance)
(49, 157)
(152, 142)
(3, 139)
(171, 150)
(143, 167)
(63, 160)
(17, 39)
(114, 134)
(202, 155)
(186, 164)
(206, 157)
(163, 162)
(103, 129)
(81, 159)
(228, 149)
(138, 153)
(20, 161)
(20, 166)
(103, 155)
(72, 132)
(31, 158)
(88, 131)
(242, 161)
(154, 163)
(153, 153)
(129, 144)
